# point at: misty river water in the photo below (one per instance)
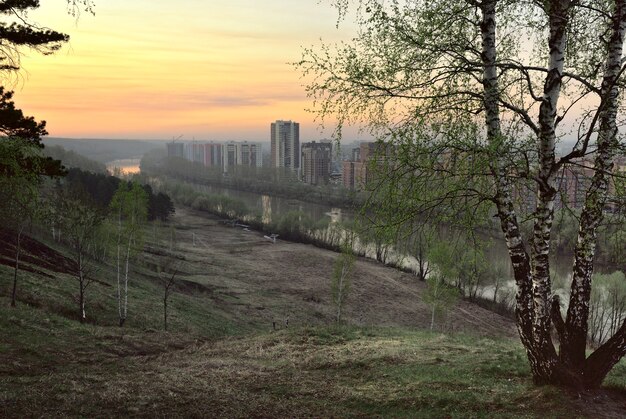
(127, 166)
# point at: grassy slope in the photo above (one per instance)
(221, 359)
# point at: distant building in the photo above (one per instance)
(230, 155)
(285, 144)
(219, 155)
(572, 183)
(348, 174)
(251, 154)
(356, 154)
(242, 154)
(617, 200)
(316, 162)
(358, 172)
(213, 154)
(175, 149)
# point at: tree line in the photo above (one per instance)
(75, 207)
(262, 180)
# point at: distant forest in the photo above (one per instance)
(99, 189)
(103, 150)
(72, 159)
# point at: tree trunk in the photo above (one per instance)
(124, 311)
(495, 291)
(18, 249)
(119, 263)
(603, 359)
(165, 310)
(532, 313)
(340, 293)
(81, 297)
(432, 319)
(573, 342)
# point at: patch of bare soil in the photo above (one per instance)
(287, 283)
(33, 254)
(601, 403)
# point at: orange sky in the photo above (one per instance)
(157, 69)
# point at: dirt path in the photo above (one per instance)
(289, 283)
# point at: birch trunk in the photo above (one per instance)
(576, 325)
(558, 16)
(432, 319)
(81, 283)
(18, 249)
(340, 292)
(119, 262)
(165, 310)
(125, 306)
(531, 274)
(508, 219)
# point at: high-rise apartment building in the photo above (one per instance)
(219, 155)
(251, 154)
(242, 154)
(348, 173)
(358, 172)
(175, 149)
(285, 144)
(316, 161)
(213, 154)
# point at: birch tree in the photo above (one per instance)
(475, 113)
(342, 273)
(81, 223)
(439, 296)
(129, 207)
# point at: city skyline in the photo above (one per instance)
(185, 69)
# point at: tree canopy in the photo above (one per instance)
(474, 113)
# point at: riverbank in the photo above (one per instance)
(299, 276)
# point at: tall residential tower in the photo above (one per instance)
(316, 162)
(285, 151)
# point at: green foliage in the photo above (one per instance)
(21, 166)
(129, 207)
(439, 296)
(607, 305)
(294, 224)
(342, 276)
(21, 144)
(461, 262)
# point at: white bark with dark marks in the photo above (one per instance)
(575, 336)
(558, 16)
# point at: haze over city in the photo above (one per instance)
(156, 69)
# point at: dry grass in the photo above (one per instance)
(223, 359)
(321, 372)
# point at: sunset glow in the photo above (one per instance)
(157, 69)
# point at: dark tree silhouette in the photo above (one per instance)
(23, 34)
(13, 124)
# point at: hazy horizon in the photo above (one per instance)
(218, 70)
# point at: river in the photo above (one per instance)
(126, 166)
(272, 208)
